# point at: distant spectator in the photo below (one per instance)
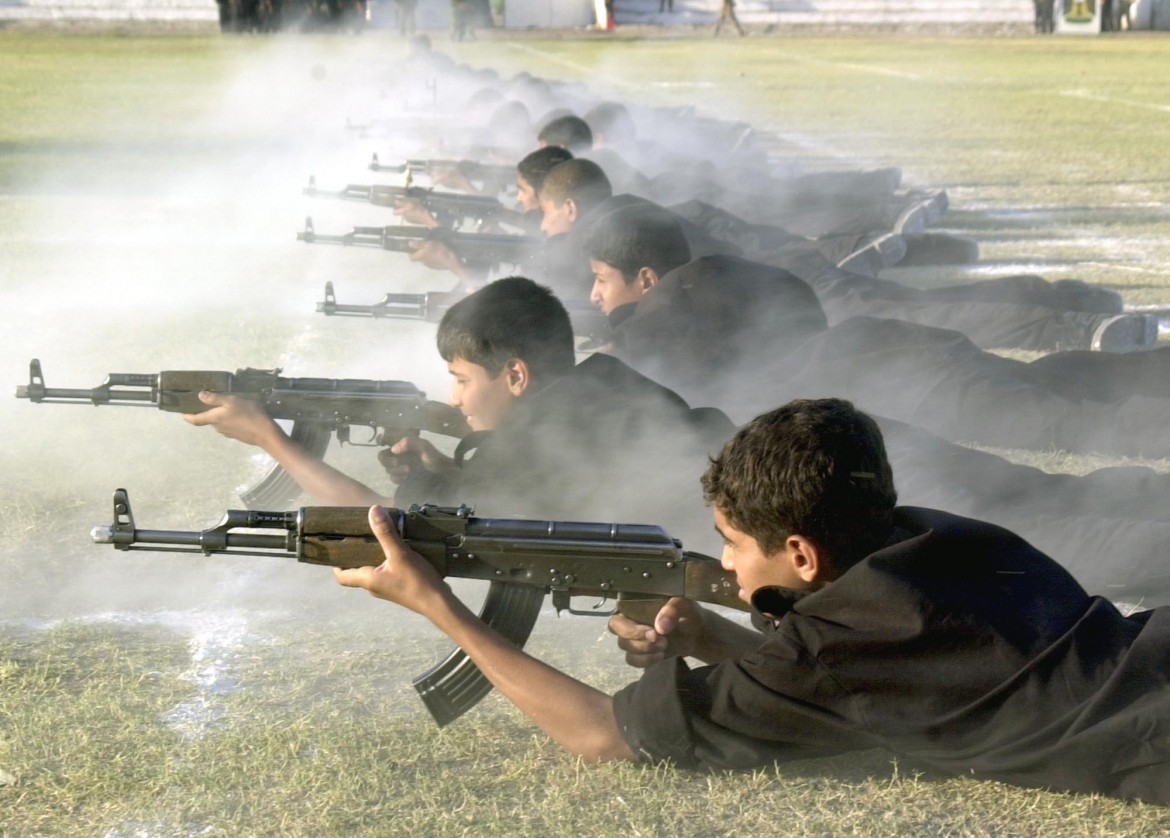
(404, 16)
(1045, 22)
(728, 13)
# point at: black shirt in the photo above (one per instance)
(706, 324)
(600, 443)
(958, 645)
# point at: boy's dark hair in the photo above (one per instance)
(510, 116)
(639, 236)
(814, 467)
(579, 179)
(536, 165)
(569, 131)
(612, 121)
(510, 125)
(483, 99)
(509, 318)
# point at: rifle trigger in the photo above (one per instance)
(594, 611)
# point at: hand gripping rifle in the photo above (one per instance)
(477, 250)
(587, 320)
(451, 209)
(635, 566)
(318, 408)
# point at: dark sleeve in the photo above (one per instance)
(723, 717)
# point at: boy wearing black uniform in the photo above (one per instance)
(1013, 312)
(553, 439)
(943, 639)
(740, 335)
(934, 378)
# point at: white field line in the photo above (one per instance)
(573, 65)
(795, 139)
(582, 68)
(1113, 100)
(861, 68)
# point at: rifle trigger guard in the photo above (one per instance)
(562, 600)
(344, 437)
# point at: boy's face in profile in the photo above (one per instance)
(558, 219)
(526, 195)
(484, 400)
(753, 568)
(610, 289)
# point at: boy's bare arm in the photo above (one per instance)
(576, 715)
(245, 420)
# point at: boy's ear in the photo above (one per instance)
(517, 376)
(647, 278)
(808, 560)
(571, 209)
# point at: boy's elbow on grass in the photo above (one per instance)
(601, 741)
(604, 750)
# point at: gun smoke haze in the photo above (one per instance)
(159, 249)
(175, 249)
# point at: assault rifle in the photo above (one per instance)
(587, 320)
(318, 407)
(450, 208)
(636, 566)
(477, 250)
(495, 177)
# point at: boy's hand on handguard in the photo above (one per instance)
(404, 578)
(236, 418)
(455, 179)
(435, 255)
(677, 631)
(414, 212)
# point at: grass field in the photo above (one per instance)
(149, 192)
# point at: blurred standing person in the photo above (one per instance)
(665, 5)
(404, 15)
(459, 12)
(1045, 23)
(728, 13)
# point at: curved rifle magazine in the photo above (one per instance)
(455, 685)
(277, 489)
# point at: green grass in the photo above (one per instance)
(320, 739)
(148, 191)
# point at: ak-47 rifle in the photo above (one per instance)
(318, 407)
(477, 250)
(587, 320)
(449, 208)
(637, 566)
(495, 177)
